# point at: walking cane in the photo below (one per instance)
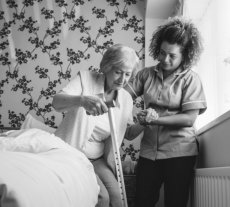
(116, 153)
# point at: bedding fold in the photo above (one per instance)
(38, 169)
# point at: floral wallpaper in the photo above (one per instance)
(44, 42)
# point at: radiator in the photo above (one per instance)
(211, 187)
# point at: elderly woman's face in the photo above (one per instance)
(170, 56)
(118, 77)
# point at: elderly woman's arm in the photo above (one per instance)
(63, 102)
(93, 105)
(133, 131)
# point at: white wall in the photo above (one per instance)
(212, 18)
(150, 25)
(214, 139)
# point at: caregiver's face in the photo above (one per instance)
(118, 77)
(170, 56)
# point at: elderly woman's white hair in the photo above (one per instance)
(119, 56)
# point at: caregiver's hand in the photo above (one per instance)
(145, 117)
(94, 105)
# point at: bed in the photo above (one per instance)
(38, 169)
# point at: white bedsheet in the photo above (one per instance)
(38, 169)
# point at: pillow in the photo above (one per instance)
(31, 122)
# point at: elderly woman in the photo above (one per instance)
(174, 97)
(86, 125)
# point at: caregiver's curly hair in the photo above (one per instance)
(179, 31)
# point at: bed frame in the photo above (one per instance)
(4, 129)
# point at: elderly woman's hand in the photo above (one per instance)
(141, 117)
(94, 105)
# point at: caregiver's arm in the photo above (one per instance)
(183, 119)
(128, 87)
(93, 105)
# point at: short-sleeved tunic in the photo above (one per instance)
(179, 92)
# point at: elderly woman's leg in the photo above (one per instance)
(109, 181)
(103, 197)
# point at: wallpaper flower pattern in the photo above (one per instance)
(44, 42)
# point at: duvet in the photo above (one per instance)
(38, 169)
